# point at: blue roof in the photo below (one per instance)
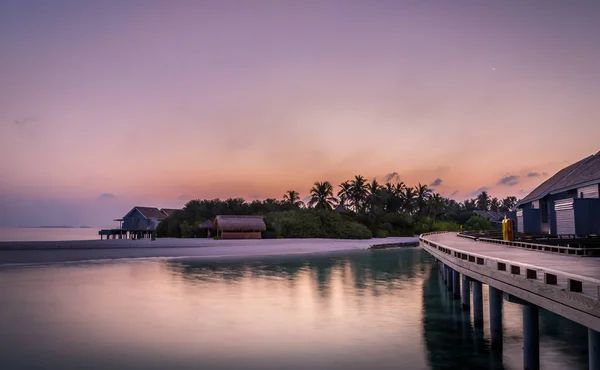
(571, 176)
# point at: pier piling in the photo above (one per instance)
(594, 349)
(531, 337)
(477, 304)
(455, 284)
(466, 293)
(496, 317)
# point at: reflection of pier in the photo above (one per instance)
(566, 285)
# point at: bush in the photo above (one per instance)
(381, 234)
(313, 224)
(189, 229)
(294, 224)
(478, 223)
(444, 226)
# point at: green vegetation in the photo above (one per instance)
(359, 210)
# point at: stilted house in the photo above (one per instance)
(142, 218)
(239, 227)
(568, 203)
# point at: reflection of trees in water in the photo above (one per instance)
(450, 340)
(370, 270)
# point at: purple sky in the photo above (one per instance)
(107, 104)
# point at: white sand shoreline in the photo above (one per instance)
(23, 253)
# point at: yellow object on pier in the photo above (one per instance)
(507, 229)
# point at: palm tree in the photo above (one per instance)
(344, 193)
(374, 200)
(483, 201)
(292, 197)
(423, 193)
(358, 192)
(508, 203)
(494, 204)
(470, 204)
(408, 200)
(321, 196)
(436, 205)
(392, 197)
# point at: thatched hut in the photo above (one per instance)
(205, 228)
(239, 227)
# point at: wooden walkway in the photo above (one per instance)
(564, 284)
(586, 267)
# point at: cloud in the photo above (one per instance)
(436, 182)
(544, 174)
(392, 176)
(478, 191)
(511, 180)
(24, 121)
(534, 174)
(105, 196)
(454, 193)
(184, 197)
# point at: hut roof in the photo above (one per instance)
(208, 224)
(149, 212)
(169, 211)
(587, 173)
(240, 223)
(577, 174)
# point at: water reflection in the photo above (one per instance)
(358, 310)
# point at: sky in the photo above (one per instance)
(109, 104)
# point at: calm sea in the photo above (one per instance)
(47, 234)
(358, 310)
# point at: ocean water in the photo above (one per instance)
(383, 309)
(47, 234)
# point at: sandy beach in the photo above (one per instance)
(14, 253)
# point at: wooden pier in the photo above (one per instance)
(126, 234)
(567, 285)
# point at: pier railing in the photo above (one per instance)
(542, 277)
(578, 251)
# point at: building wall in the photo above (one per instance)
(587, 216)
(531, 219)
(551, 212)
(135, 221)
(241, 235)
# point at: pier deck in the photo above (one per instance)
(586, 267)
(564, 284)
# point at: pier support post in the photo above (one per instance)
(465, 293)
(496, 317)
(477, 304)
(531, 337)
(445, 274)
(594, 349)
(455, 284)
(449, 279)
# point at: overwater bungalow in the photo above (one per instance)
(139, 222)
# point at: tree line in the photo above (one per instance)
(359, 208)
